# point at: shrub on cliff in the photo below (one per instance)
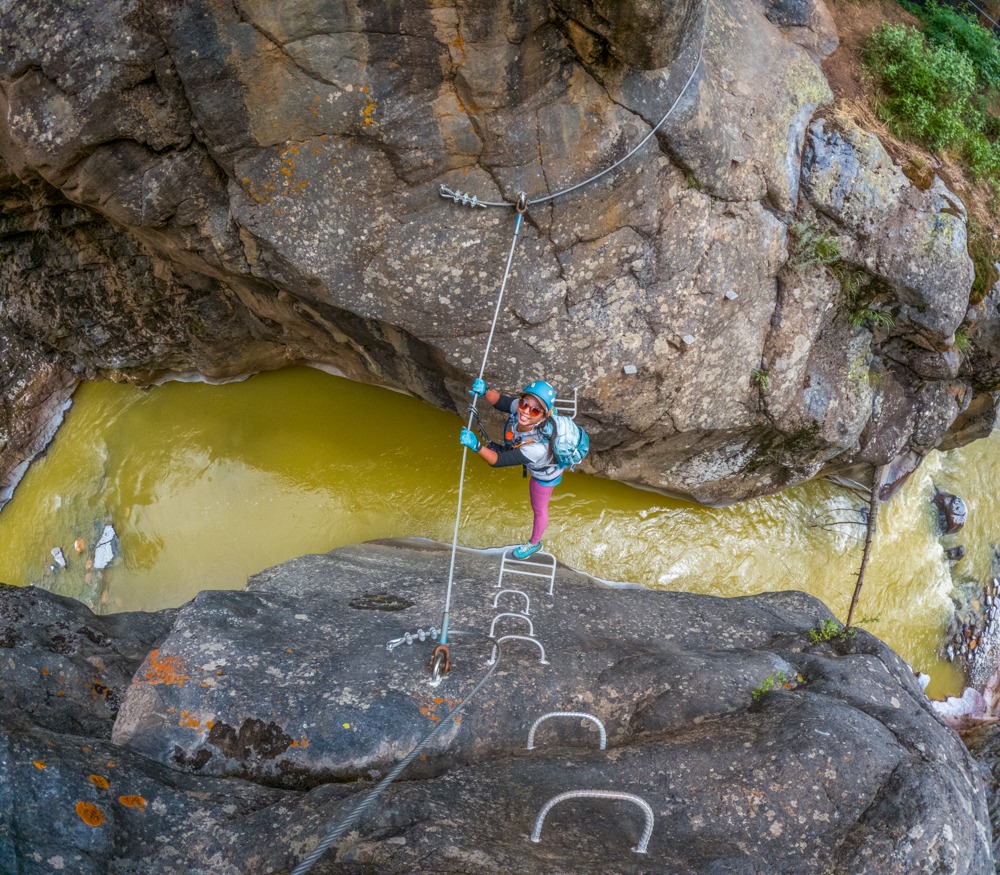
(928, 89)
(947, 26)
(939, 88)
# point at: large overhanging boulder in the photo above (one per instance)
(219, 187)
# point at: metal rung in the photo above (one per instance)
(582, 715)
(566, 406)
(531, 626)
(509, 565)
(536, 835)
(528, 573)
(527, 601)
(534, 641)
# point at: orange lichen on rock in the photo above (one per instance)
(39, 764)
(132, 801)
(191, 722)
(428, 706)
(99, 781)
(90, 814)
(167, 670)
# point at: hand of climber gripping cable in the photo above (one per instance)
(478, 388)
(469, 439)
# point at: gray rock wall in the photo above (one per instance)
(259, 718)
(221, 187)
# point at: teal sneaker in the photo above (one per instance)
(527, 549)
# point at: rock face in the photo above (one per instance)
(951, 512)
(219, 187)
(265, 716)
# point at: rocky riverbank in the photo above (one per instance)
(226, 735)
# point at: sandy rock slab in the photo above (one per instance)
(755, 750)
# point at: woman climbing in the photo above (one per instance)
(526, 437)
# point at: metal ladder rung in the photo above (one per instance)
(527, 601)
(528, 573)
(509, 565)
(567, 406)
(536, 834)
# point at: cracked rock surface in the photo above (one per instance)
(220, 187)
(263, 716)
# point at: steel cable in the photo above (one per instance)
(341, 827)
(474, 201)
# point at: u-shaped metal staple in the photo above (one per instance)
(536, 835)
(527, 601)
(534, 641)
(531, 626)
(582, 715)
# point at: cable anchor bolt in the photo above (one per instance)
(522, 203)
(440, 664)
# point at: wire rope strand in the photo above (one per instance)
(446, 615)
(356, 813)
(549, 197)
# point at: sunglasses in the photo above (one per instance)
(533, 409)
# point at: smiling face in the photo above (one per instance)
(530, 412)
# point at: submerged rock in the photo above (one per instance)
(107, 548)
(756, 750)
(952, 512)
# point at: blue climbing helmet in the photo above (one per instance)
(543, 392)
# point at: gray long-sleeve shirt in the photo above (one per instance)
(530, 448)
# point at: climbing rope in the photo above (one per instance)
(446, 615)
(342, 826)
(440, 662)
(473, 201)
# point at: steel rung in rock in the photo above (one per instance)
(581, 714)
(536, 835)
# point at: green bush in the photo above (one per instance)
(929, 89)
(946, 26)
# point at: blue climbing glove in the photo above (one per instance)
(478, 388)
(469, 439)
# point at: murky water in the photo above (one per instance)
(206, 485)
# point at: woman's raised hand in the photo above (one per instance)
(468, 439)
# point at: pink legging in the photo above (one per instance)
(540, 496)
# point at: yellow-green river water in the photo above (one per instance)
(206, 485)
